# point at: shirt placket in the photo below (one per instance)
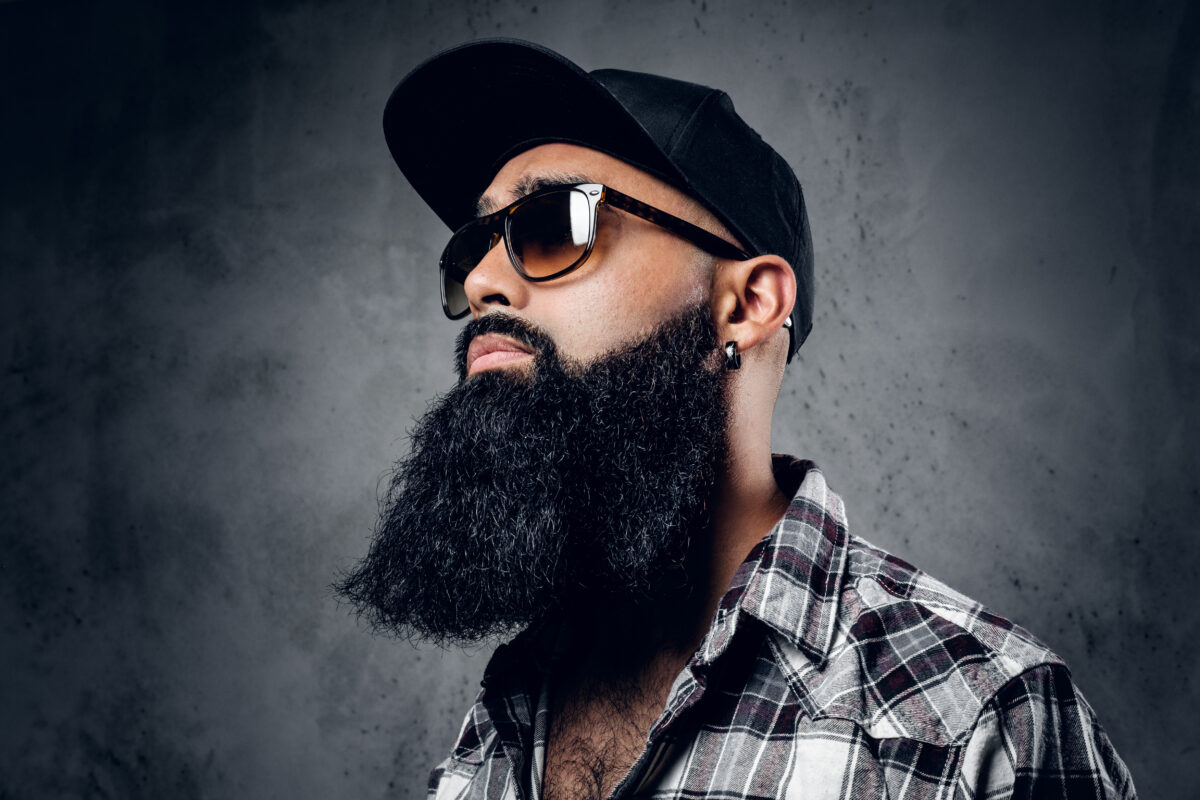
(687, 691)
(510, 734)
(511, 716)
(685, 695)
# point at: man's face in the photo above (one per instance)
(638, 275)
(579, 477)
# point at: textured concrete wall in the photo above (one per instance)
(219, 316)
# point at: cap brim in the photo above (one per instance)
(452, 121)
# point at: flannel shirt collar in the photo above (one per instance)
(791, 581)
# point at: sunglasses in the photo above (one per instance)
(551, 232)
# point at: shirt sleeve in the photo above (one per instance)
(1038, 737)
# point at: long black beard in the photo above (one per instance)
(531, 493)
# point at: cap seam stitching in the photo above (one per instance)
(675, 143)
(681, 128)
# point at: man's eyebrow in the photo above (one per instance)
(527, 185)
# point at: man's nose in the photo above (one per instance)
(495, 282)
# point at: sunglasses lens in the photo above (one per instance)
(454, 297)
(466, 249)
(550, 233)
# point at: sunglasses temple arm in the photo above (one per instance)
(696, 235)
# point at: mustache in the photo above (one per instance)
(523, 331)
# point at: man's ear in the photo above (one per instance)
(752, 299)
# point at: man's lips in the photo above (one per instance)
(491, 350)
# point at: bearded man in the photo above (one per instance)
(691, 617)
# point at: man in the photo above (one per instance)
(692, 617)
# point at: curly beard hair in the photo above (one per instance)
(529, 493)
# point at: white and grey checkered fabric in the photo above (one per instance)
(832, 670)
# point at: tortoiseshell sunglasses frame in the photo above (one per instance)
(498, 224)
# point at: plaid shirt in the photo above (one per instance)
(832, 670)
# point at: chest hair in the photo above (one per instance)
(597, 731)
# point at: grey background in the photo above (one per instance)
(219, 317)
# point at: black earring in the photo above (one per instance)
(733, 359)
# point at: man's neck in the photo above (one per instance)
(748, 504)
(626, 638)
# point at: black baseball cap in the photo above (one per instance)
(454, 121)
